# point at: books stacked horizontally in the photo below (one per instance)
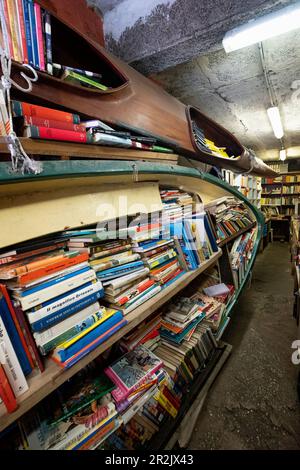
(147, 333)
(40, 122)
(230, 217)
(58, 293)
(241, 253)
(122, 272)
(177, 204)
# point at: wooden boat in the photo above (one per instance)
(133, 101)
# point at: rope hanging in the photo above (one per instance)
(21, 162)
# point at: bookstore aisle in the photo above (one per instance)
(253, 403)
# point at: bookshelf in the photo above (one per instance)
(72, 176)
(282, 192)
(248, 185)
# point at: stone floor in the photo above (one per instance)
(253, 403)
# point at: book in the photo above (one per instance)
(96, 123)
(131, 370)
(59, 69)
(10, 363)
(139, 299)
(109, 139)
(98, 266)
(81, 79)
(48, 40)
(39, 35)
(14, 333)
(29, 45)
(117, 283)
(134, 291)
(13, 270)
(6, 27)
(99, 339)
(21, 108)
(48, 133)
(121, 270)
(16, 40)
(43, 292)
(33, 34)
(21, 26)
(50, 123)
(6, 392)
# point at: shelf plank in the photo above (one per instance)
(88, 151)
(237, 234)
(41, 385)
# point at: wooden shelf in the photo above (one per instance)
(237, 234)
(68, 150)
(41, 385)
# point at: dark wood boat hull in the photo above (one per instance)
(134, 102)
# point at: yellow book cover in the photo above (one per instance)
(15, 38)
(166, 404)
(106, 259)
(109, 312)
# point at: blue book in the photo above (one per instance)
(118, 271)
(62, 314)
(33, 34)
(27, 31)
(210, 235)
(14, 336)
(52, 282)
(190, 242)
(179, 337)
(90, 341)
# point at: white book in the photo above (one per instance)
(10, 363)
(143, 299)
(66, 301)
(97, 123)
(45, 336)
(123, 280)
(36, 298)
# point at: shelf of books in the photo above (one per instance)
(83, 307)
(248, 185)
(280, 195)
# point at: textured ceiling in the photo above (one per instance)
(178, 43)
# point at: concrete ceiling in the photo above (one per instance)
(178, 43)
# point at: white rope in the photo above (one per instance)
(19, 158)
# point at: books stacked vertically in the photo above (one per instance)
(230, 217)
(58, 294)
(177, 204)
(241, 253)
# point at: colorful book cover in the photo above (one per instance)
(28, 31)
(74, 77)
(48, 133)
(21, 23)
(6, 392)
(6, 28)
(52, 123)
(16, 41)
(33, 34)
(39, 34)
(20, 108)
(48, 41)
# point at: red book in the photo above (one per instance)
(29, 339)
(47, 133)
(20, 108)
(141, 287)
(6, 392)
(11, 51)
(22, 30)
(17, 324)
(39, 31)
(57, 266)
(44, 122)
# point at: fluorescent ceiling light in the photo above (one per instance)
(266, 27)
(282, 154)
(275, 121)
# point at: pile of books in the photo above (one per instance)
(40, 122)
(241, 253)
(147, 333)
(206, 145)
(229, 217)
(177, 204)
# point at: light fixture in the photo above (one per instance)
(275, 121)
(265, 27)
(282, 154)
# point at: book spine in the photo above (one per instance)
(36, 298)
(10, 363)
(20, 108)
(134, 292)
(50, 320)
(27, 31)
(12, 14)
(48, 41)
(6, 392)
(51, 123)
(84, 79)
(21, 26)
(56, 134)
(39, 34)
(6, 28)
(64, 263)
(30, 341)
(91, 346)
(17, 324)
(33, 34)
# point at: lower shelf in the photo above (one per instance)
(41, 385)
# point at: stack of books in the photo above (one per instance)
(177, 204)
(230, 216)
(147, 333)
(206, 145)
(241, 253)
(56, 293)
(120, 269)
